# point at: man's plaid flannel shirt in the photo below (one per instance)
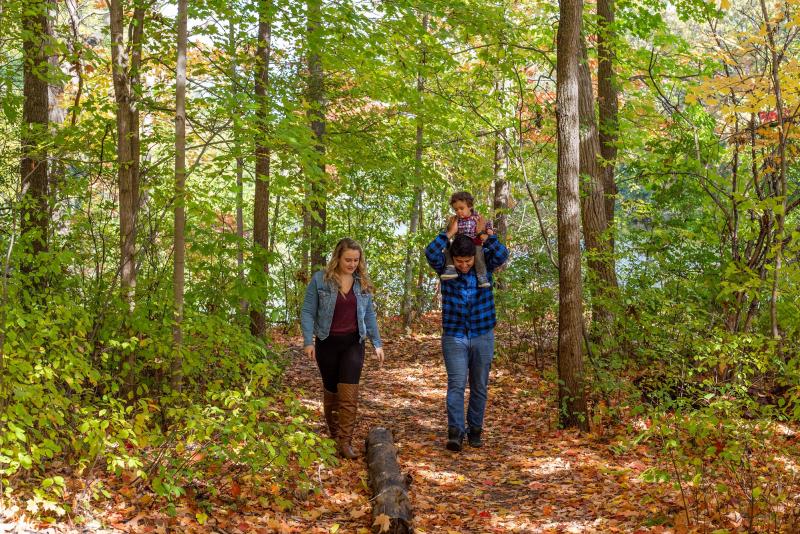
(467, 310)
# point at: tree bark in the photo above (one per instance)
(608, 106)
(780, 215)
(126, 79)
(388, 486)
(316, 215)
(502, 190)
(413, 227)
(180, 197)
(602, 277)
(258, 324)
(35, 122)
(571, 389)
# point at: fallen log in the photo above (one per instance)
(391, 506)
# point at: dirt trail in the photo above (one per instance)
(528, 477)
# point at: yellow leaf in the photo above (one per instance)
(334, 528)
(383, 521)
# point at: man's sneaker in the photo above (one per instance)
(483, 281)
(454, 438)
(474, 437)
(449, 273)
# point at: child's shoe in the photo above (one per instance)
(483, 281)
(449, 273)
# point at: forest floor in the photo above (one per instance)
(529, 476)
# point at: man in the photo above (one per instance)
(468, 320)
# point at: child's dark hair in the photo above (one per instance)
(462, 196)
(462, 246)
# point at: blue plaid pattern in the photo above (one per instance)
(467, 310)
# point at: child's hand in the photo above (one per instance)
(481, 224)
(452, 226)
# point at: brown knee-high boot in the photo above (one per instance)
(348, 407)
(330, 407)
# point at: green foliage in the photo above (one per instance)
(62, 405)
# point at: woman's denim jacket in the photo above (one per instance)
(318, 309)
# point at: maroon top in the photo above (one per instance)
(344, 314)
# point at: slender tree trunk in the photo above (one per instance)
(316, 216)
(122, 94)
(413, 227)
(237, 143)
(608, 106)
(780, 215)
(571, 388)
(33, 164)
(602, 278)
(180, 197)
(258, 324)
(275, 215)
(125, 74)
(55, 113)
(243, 305)
(502, 190)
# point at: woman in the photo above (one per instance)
(339, 311)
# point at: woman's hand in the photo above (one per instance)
(379, 355)
(309, 351)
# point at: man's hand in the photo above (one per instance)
(309, 351)
(379, 355)
(452, 226)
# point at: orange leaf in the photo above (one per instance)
(383, 521)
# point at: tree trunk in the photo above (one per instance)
(571, 389)
(237, 143)
(258, 324)
(126, 83)
(180, 197)
(389, 487)
(316, 216)
(609, 107)
(502, 191)
(780, 215)
(602, 278)
(413, 227)
(33, 164)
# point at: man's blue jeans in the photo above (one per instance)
(467, 359)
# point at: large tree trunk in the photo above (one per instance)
(413, 227)
(571, 388)
(180, 197)
(33, 164)
(316, 215)
(608, 105)
(602, 278)
(258, 325)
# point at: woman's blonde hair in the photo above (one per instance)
(332, 269)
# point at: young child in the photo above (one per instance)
(471, 224)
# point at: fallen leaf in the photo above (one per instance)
(383, 521)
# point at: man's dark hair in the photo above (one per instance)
(462, 196)
(462, 246)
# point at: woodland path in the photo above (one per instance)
(528, 477)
